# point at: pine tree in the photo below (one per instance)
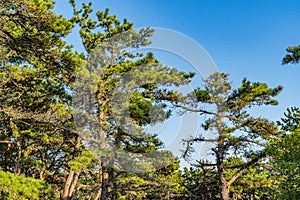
(284, 153)
(37, 67)
(117, 93)
(292, 56)
(235, 133)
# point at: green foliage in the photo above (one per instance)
(237, 139)
(20, 187)
(255, 183)
(203, 182)
(291, 120)
(253, 94)
(286, 166)
(161, 181)
(32, 33)
(35, 72)
(116, 94)
(43, 157)
(285, 156)
(200, 184)
(292, 56)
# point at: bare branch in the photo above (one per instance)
(201, 165)
(195, 110)
(6, 142)
(189, 142)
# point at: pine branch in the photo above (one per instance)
(244, 167)
(189, 142)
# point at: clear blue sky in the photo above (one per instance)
(244, 38)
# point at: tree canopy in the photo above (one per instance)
(72, 124)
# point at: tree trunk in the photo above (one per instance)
(102, 192)
(104, 185)
(103, 188)
(68, 182)
(72, 177)
(220, 158)
(224, 184)
(73, 185)
(224, 190)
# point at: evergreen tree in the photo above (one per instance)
(37, 67)
(117, 93)
(19, 187)
(257, 182)
(200, 184)
(38, 135)
(284, 154)
(235, 133)
(292, 56)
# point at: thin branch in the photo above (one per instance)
(6, 142)
(201, 165)
(244, 167)
(189, 142)
(202, 140)
(254, 142)
(195, 110)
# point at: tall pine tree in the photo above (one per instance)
(238, 139)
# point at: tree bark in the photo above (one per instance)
(103, 174)
(68, 182)
(104, 185)
(224, 189)
(224, 184)
(72, 177)
(73, 185)
(220, 157)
